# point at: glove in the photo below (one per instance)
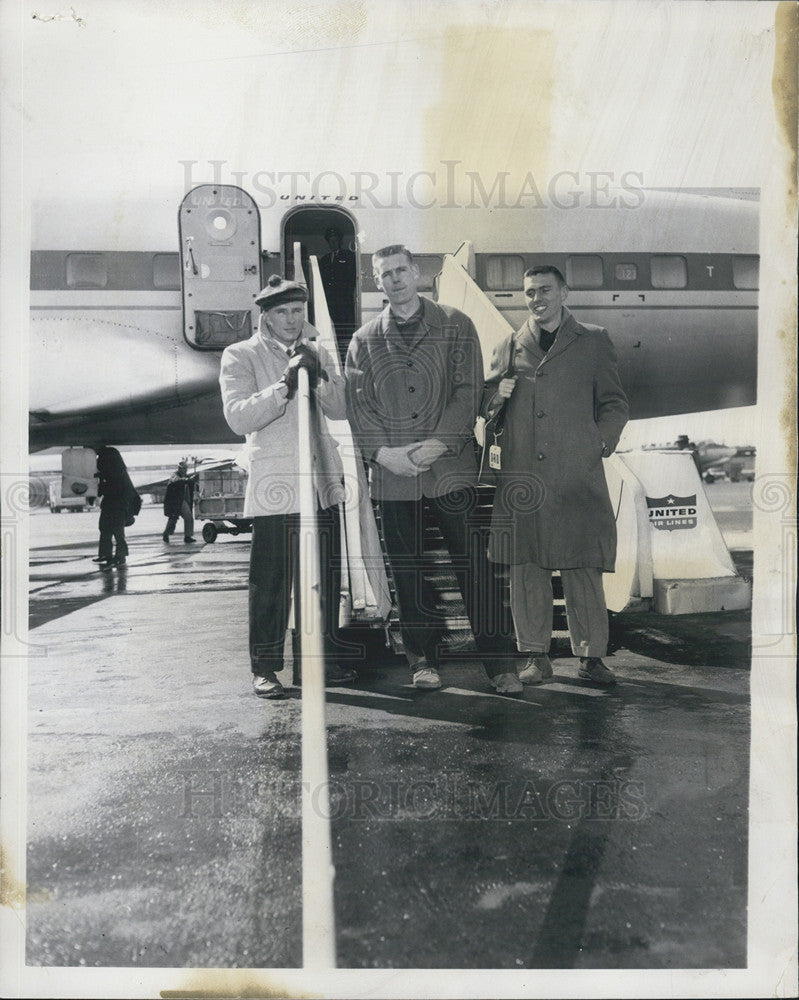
(303, 356)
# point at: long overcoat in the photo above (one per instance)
(255, 405)
(568, 408)
(179, 489)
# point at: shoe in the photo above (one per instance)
(336, 674)
(120, 561)
(426, 679)
(593, 669)
(538, 668)
(189, 539)
(507, 684)
(165, 537)
(268, 686)
(99, 560)
(104, 564)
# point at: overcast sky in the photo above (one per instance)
(118, 97)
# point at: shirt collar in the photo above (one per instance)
(278, 345)
(430, 316)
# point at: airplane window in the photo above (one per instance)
(584, 271)
(504, 273)
(626, 272)
(669, 271)
(746, 272)
(87, 270)
(166, 270)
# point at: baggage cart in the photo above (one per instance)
(220, 502)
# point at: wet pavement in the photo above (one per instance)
(575, 827)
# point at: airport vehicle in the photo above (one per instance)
(58, 501)
(220, 501)
(125, 344)
(742, 465)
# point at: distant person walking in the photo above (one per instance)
(119, 505)
(179, 502)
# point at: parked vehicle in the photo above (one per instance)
(58, 502)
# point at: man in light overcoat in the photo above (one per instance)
(258, 379)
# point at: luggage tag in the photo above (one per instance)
(495, 457)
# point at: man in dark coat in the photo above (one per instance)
(414, 381)
(179, 502)
(566, 410)
(339, 270)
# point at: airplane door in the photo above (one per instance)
(329, 234)
(220, 245)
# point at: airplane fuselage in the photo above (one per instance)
(674, 281)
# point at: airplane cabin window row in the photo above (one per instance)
(505, 272)
(495, 272)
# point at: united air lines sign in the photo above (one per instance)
(671, 512)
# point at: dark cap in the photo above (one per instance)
(278, 291)
(333, 231)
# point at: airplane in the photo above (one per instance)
(125, 344)
(707, 455)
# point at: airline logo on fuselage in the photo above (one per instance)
(671, 512)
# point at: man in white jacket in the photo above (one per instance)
(258, 379)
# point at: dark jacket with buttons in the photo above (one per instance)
(568, 409)
(398, 394)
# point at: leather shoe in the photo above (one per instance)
(426, 678)
(336, 674)
(268, 686)
(189, 539)
(507, 684)
(538, 668)
(165, 537)
(593, 669)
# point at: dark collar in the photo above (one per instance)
(431, 317)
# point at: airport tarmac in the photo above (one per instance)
(574, 827)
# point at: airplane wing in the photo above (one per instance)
(145, 485)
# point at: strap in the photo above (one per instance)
(512, 357)
(499, 416)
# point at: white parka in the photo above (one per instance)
(255, 405)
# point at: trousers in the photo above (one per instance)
(465, 536)
(188, 521)
(274, 571)
(586, 612)
(112, 543)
